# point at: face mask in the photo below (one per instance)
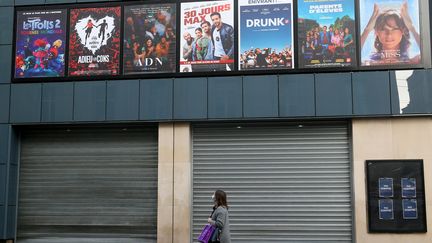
(213, 197)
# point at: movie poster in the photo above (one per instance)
(149, 44)
(266, 34)
(207, 36)
(94, 41)
(40, 43)
(390, 32)
(326, 33)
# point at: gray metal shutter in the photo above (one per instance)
(285, 182)
(88, 185)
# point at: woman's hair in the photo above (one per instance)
(147, 40)
(221, 198)
(382, 21)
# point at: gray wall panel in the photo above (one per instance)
(4, 144)
(225, 97)
(429, 87)
(411, 90)
(14, 147)
(260, 96)
(190, 98)
(4, 103)
(13, 175)
(90, 101)
(57, 102)
(2, 221)
(371, 93)
(29, 2)
(5, 63)
(6, 25)
(123, 100)
(156, 99)
(394, 95)
(297, 95)
(2, 185)
(6, 3)
(59, 1)
(11, 219)
(25, 103)
(333, 94)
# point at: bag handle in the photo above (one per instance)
(214, 209)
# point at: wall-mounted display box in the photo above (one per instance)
(396, 197)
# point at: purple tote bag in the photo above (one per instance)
(206, 233)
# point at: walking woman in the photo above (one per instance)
(220, 217)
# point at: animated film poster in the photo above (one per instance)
(94, 45)
(40, 43)
(207, 36)
(149, 44)
(390, 32)
(265, 34)
(326, 33)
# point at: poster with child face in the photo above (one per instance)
(390, 32)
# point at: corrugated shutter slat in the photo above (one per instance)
(88, 185)
(285, 182)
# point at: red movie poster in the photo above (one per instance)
(94, 42)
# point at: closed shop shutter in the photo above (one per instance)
(285, 182)
(88, 185)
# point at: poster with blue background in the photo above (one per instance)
(266, 34)
(40, 43)
(390, 32)
(326, 33)
(409, 208)
(385, 187)
(386, 211)
(409, 188)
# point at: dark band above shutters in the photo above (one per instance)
(88, 185)
(285, 182)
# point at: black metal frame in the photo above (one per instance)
(398, 224)
(236, 72)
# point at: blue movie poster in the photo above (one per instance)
(409, 187)
(385, 187)
(40, 43)
(409, 208)
(390, 32)
(386, 211)
(326, 33)
(266, 34)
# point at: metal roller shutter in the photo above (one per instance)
(88, 185)
(285, 182)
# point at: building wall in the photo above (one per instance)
(392, 138)
(175, 183)
(287, 96)
(373, 93)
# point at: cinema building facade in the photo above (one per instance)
(119, 119)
